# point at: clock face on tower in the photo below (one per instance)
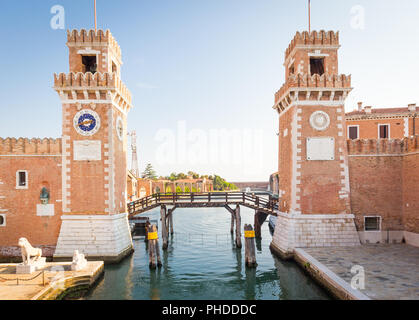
(87, 122)
(120, 128)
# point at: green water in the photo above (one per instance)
(202, 263)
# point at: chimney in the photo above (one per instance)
(359, 106)
(368, 110)
(412, 107)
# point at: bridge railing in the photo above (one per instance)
(242, 198)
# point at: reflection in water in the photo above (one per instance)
(250, 284)
(203, 263)
(258, 245)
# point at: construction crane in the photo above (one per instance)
(134, 164)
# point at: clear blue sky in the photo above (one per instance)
(210, 65)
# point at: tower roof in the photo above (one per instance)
(315, 38)
(92, 38)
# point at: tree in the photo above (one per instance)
(194, 175)
(221, 185)
(149, 173)
(172, 177)
(182, 176)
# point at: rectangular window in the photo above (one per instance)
(383, 131)
(22, 179)
(353, 132)
(89, 63)
(372, 223)
(317, 66)
(292, 70)
(114, 67)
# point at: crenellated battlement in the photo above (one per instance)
(35, 146)
(305, 81)
(383, 146)
(321, 38)
(91, 82)
(90, 37)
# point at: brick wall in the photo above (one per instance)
(383, 179)
(20, 205)
(411, 186)
(285, 159)
(323, 188)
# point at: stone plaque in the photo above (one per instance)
(45, 210)
(320, 149)
(87, 150)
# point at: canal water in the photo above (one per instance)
(202, 263)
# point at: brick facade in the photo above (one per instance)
(367, 178)
(85, 172)
(384, 175)
(20, 205)
(401, 122)
(313, 169)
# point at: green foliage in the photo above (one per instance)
(221, 185)
(149, 173)
(168, 189)
(179, 190)
(194, 175)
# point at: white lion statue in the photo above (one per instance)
(28, 251)
(79, 261)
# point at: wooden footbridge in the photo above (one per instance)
(262, 206)
(203, 200)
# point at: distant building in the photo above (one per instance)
(384, 123)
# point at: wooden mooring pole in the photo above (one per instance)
(147, 227)
(164, 228)
(238, 228)
(170, 220)
(233, 217)
(232, 223)
(260, 218)
(153, 247)
(250, 250)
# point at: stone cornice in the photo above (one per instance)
(69, 86)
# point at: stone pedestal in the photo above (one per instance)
(102, 237)
(308, 231)
(31, 268)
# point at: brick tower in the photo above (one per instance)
(313, 161)
(95, 105)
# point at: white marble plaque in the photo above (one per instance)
(320, 149)
(86, 150)
(45, 210)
